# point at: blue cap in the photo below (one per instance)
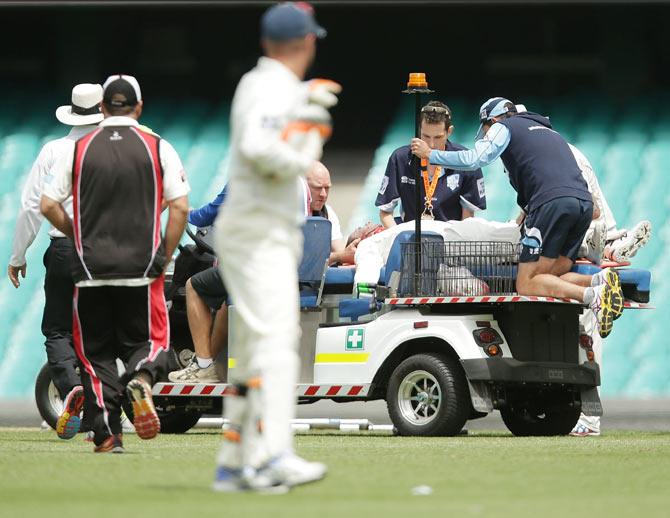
(290, 20)
(494, 107)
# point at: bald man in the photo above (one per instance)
(318, 181)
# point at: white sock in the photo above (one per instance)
(203, 363)
(589, 295)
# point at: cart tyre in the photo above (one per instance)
(47, 398)
(428, 395)
(524, 423)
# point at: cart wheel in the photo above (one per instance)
(524, 422)
(48, 400)
(428, 395)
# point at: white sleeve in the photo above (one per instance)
(58, 182)
(261, 142)
(175, 184)
(29, 219)
(336, 232)
(589, 176)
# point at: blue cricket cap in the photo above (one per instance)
(494, 107)
(290, 20)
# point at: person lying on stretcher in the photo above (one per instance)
(375, 245)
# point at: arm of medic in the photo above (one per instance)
(290, 151)
(205, 215)
(28, 221)
(485, 151)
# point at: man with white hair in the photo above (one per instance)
(319, 184)
(83, 115)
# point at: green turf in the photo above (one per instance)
(488, 475)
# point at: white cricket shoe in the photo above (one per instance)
(192, 373)
(586, 427)
(228, 480)
(625, 247)
(595, 242)
(288, 471)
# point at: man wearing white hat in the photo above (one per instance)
(83, 115)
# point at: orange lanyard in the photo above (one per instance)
(429, 186)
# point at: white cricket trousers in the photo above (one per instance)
(259, 265)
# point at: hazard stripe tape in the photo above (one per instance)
(409, 301)
(224, 389)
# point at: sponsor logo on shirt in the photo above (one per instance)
(452, 181)
(408, 180)
(480, 188)
(116, 136)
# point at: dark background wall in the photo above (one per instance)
(617, 52)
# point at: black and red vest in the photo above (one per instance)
(117, 190)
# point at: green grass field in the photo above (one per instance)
(484, 474)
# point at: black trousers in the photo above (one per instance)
(113, 322)
(57, 316)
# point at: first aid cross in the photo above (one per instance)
(354, 339)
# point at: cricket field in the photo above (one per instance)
(487, 474)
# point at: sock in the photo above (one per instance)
(203, 363)
(589, 295)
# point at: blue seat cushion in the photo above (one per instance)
(342, 275)
(354, 308)
(308, 301)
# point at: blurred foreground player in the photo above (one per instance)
(279, 125)
(118, 176)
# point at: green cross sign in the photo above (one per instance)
(355, 339)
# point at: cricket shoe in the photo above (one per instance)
(193, 373)
(69, 422)
(627, 246)
(611, 278)
(228, 480)
(583, 430)
(287, 470)
(112, 444)
(595, 242)
(145, 419)
(605, 306)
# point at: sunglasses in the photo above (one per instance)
(435, 109)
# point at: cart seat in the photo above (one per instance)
(316, 249)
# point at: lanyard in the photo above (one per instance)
(429, 186)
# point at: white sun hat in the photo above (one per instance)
(85, 107)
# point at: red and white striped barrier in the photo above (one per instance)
(224, 389)
(410, 301)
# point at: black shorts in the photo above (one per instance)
(208, 284)
(556, 228)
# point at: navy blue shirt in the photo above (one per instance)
(454, 192)
(539, 161)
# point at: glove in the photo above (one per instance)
(323, 92)
(309, 130)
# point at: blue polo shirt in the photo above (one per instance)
(454, 192)
(205, 215)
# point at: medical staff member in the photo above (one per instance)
(118, 176)
(447, 194)
(551, 190)
(259, 242)
(83, 115)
